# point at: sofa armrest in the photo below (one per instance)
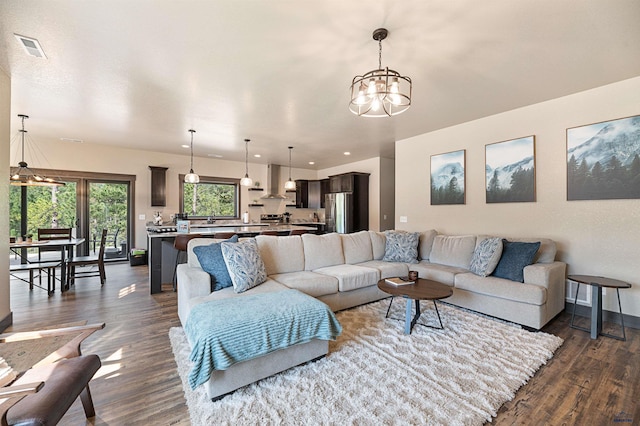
(552, 277)
(192, 282)
(545, 274)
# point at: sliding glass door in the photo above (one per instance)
(108, 204)
(88, 203)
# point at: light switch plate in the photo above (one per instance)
(142, 217)
(403, 219)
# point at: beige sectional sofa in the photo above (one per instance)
(342, 270)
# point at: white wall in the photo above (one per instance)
(5, 138)
(594, 237)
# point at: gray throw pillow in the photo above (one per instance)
(515, 256)
(486, 256)
(401, 246)
(244, 263)
(212, 262)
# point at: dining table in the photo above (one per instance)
(66, 247)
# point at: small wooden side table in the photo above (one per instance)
(597, 283)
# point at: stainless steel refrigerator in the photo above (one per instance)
(339, 212)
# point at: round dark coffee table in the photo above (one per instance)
(422, 289)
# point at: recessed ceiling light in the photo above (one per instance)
(312, 162)
(257, 155)
(31, 46)
(214, 155)
(185, 146)
(72, 140)
(347, 153)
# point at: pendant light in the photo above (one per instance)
(382, 92)
(290, 184)
(24, 176)
(246, 180)
(191, 177)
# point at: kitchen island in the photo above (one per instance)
(162, 254)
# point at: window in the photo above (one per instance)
(218, 197)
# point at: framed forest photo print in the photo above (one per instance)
(447, 178)
(603, 160)
(510, 171)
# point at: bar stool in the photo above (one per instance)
(298, 231)
(180, 244)
(223, 235)
(276, 233)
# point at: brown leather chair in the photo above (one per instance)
(42, 394)
(180, 244)
(276, 233)
(223, 235)
(298, 232)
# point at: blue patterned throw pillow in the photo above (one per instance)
(515, 256)
(486, 256)
(212, 262)
(245, 265)
(401, 246)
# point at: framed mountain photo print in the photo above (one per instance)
(447, 178)
(510, 171)
(603, 160)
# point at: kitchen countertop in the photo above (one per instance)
(251, 229)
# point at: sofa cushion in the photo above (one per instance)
(502, 289)
(515, 256)
(378, 243)
(246, 268)
(322, 250)
(486, 256)
(192, 259)
(426, 244)
(444, 274)
(357, 247)
(401, 246)
(546, 253)
(453, 250)
(212, 262)
(387, 269)
(281, 254)
(351, 277)
(308, 282)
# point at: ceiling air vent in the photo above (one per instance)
(31, 45)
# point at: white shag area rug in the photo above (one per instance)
(374, 374)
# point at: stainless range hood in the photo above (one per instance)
(273, 183)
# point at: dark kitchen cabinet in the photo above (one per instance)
(324, 190)
(308, 194)
(158, 186)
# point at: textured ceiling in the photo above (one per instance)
(141, 73)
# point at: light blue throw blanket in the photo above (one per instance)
(224, 332)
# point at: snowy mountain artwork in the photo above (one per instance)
(603, 160)
(447, 178)
(510, 171)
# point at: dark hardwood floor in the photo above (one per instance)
(595, 382)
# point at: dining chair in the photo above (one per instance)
(276, 233)
(47, 234)
(84, 261)
(298, 232)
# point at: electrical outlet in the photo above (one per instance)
(142, 217)
(403, 219)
